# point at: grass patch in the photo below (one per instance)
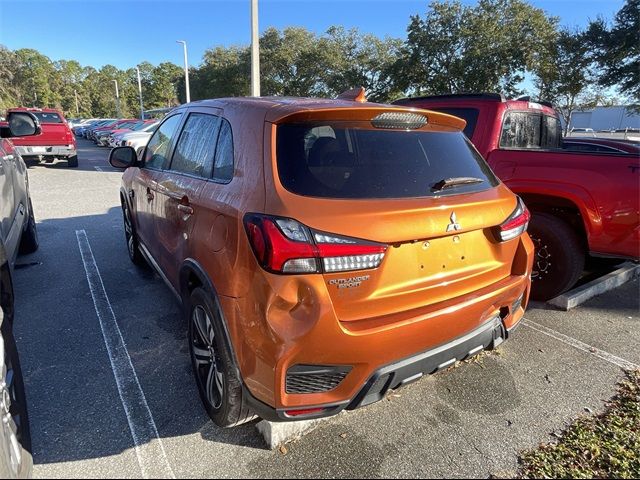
(601, 446)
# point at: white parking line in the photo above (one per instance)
(148, 445)
(99, 169)
(606, 356)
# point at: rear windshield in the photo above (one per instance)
(339, 160)
(525, 130)
(46, 117)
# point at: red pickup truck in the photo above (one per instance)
(55, 141)
(583, 204)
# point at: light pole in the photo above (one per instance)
(117, 100)
(140, 92)
(255, 51)
(77, 109)
(186, 68)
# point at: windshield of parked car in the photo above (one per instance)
(48, 117)
(355, 160)
(150, 127)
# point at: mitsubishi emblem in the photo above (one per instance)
(454, 226)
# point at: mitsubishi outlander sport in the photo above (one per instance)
(324, 251)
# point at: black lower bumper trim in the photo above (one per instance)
(488, 336)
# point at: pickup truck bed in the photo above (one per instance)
(583, 204)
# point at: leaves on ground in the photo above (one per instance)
(601, 446)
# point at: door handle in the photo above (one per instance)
(150, 195)
(186, 209)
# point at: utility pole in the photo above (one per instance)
(117, 100)
(255, 51)
(186, 69)
(140, 92)
(75, 93)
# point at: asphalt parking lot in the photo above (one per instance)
(468, 421)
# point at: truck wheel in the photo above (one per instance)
(72, 162)
(29, 242)
(559, 256)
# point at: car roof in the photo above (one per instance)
(276, 109)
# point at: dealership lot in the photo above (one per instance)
(87, 318)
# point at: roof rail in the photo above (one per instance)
(496, 97)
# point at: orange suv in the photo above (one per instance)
(325, 251)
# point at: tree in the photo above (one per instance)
(9, 91)
(617, 49)
(457, 48)
(566, 77)
(225, 72)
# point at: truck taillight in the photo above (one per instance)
(284, 245)
(516, 224)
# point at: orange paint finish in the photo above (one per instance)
(443, 273)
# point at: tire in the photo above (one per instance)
(72, 162)
(14, 426)
(131, 237)
(15, 388)
(559, 256)
(29, 241)
(218, 384)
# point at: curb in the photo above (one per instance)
(571, 299)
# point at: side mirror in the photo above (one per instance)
(123, 157)
(22, 124)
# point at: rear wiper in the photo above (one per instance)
(454, 182)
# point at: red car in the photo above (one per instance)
(603, 145)
(582, 203)
(55, 141)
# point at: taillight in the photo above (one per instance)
(516, 224)
(284, 245)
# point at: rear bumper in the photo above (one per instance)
(46, 151)
(394, 375)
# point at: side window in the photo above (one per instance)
(158, 147)
(223, 167)
(196, 147)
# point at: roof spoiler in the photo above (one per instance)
(355, 95)
(527, 98)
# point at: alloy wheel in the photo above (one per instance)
(205, 358)
(542, 259)
(10, 409)
(128, 232)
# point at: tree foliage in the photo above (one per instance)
(454, 47)
(457, 48)
(617, 49)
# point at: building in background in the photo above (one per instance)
(613, 118)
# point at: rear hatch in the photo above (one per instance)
(421, 193)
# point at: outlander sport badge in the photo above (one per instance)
(454, 226)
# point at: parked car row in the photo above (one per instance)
(117, 132)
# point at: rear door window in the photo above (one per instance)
(194, 153)
(355, 160)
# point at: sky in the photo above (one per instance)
(126, 32)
